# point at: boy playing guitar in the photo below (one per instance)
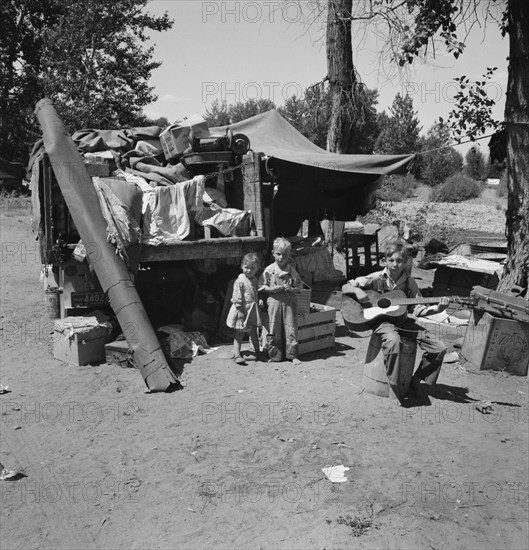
(395, 277)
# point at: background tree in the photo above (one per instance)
(243, 110)
(89, 56)
(217, 114)
(221, 113)
(444, 16)
(161, 121)
(400, 132)
(344, 83)
(439, 161)
(415, 27)
(310, 115)
(475, 165)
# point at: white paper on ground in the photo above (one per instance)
(336, 474)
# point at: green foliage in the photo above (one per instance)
(217, 114)
(89, 56)
(457, 188)
(397, 188)
(221, 114)
(241, 111)
(161, 121)
(400, 130)
(431, 17)
(14, 200)
(495, 168)
(442, 161)
(475, 166)
(310, 114)
(472, 115)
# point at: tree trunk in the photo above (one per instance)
(517, 129)
(340, 73)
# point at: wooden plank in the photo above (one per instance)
(225, 247)
(315, 332)
(315, 345)
(253, 199)
(324, 314)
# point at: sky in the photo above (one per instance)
(238, 50)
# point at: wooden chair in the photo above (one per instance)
(366, 243)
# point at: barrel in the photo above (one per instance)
(52, 303)
(375, 380)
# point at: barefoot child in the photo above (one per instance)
(244, 312)
(280, 282)
(395, 276)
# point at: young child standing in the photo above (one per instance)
(280, 282)
(244, 313)
(395, 276)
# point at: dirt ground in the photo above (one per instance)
(234, 460)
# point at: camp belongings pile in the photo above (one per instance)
(149, 158)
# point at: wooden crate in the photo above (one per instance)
(497, 344)
(303, 300)
(316, 329)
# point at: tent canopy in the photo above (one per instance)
(311, 179)
(271, 134)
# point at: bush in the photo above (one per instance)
(397, 188)
(457, 188)
(14, 200)
(502, 187)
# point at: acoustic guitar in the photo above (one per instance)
(390, 306)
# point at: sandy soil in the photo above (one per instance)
(234, 460)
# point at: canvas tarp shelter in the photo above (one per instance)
(311, 178)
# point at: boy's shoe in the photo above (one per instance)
(239, 360)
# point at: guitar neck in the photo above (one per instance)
(422, 300)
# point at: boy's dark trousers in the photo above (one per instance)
(432, 359)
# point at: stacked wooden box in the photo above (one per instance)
(316, 329)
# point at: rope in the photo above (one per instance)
(453, 144)
(211, 175)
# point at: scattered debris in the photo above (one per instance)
(452, 357)
(336, 474)
(359, 526)
(6, 475)
(485, 407)
(342, 445)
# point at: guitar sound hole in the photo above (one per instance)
(384, 303)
